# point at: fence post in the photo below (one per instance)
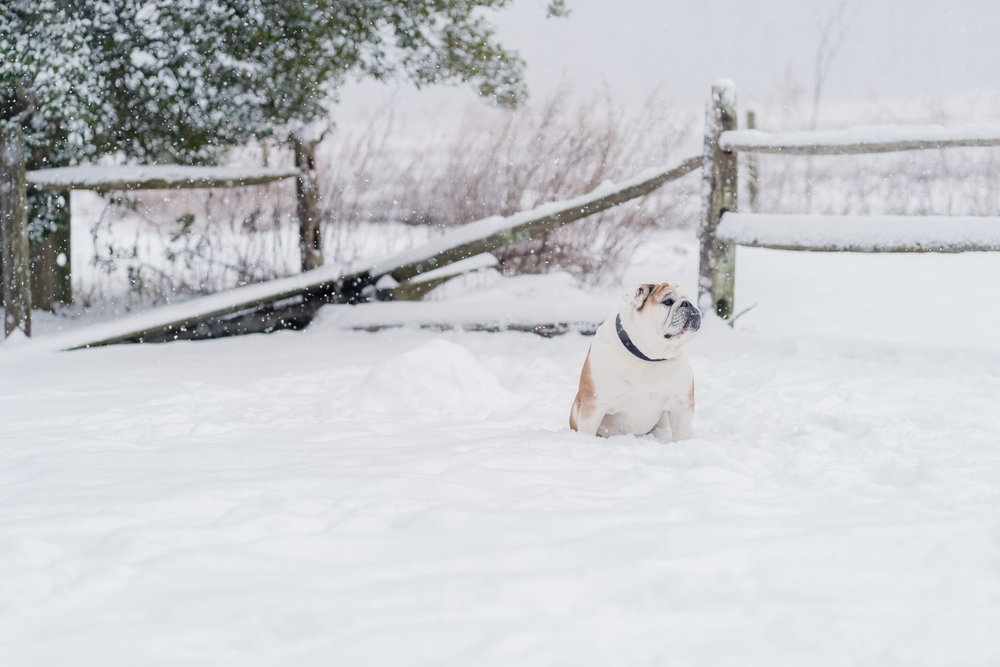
(716, 271)
(14, 232)
(307, 197)
(51, 277)
(753, 173)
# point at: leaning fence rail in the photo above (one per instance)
(722, 227)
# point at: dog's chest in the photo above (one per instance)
(639, 388)
(634, 404)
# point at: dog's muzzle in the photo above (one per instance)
(688, 317)
(693, 315)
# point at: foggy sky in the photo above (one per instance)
(894, 49)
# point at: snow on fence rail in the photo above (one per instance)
(154, 177)
(869, 233)
(722, 228)
(292, 302)
(855, 140)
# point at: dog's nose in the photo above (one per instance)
(686, 304)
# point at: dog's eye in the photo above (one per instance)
(668, 303)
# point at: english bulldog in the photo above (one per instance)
(636, 378)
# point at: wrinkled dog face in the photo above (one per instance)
(675, 314)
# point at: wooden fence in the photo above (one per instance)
(292, 302)
(14, 233)
(45, 278)
(722, 227)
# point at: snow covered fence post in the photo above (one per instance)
(307, 199)
(716, 270)
(753, 171)
(14, 232)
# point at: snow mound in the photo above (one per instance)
(437, 378)
(15, 339)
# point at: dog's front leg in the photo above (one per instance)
(587, 420)
(680, 416)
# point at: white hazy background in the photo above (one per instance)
(632, 49)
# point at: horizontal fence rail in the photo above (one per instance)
(858, 140)
(154, 177)
(871, 233)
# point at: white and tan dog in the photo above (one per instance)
(636, 378)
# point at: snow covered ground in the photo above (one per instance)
(412, 497)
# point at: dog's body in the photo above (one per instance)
(636, 378)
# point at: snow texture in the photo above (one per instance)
(408, 497)
(478, 262)
(189, 311)
(518, 301)
(726, 91)
(865, 136)
(880, 233)
(89, 177)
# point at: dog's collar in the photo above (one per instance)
(627, 342)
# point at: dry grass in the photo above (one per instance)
(151, 248)
(501, 163)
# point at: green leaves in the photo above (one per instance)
(557, 9)
(182, 80)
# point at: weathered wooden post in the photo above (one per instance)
(51, 277)
(753, 173)
(14, 232)
(307, 197)
(716, 271)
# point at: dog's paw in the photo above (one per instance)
(663, 435)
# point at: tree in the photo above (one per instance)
(183, 80)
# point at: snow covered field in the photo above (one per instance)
(411, 497)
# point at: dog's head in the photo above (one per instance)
(667, 310)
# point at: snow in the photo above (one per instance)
(871, 136)
(873, 233)
(725, 89)
(95, 176)
(189, 311)
(411, 497)
(478, 262)
(497, 303)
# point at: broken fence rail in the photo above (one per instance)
(293, 301)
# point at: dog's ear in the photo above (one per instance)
(637, 295)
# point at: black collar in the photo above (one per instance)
(627, 342)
